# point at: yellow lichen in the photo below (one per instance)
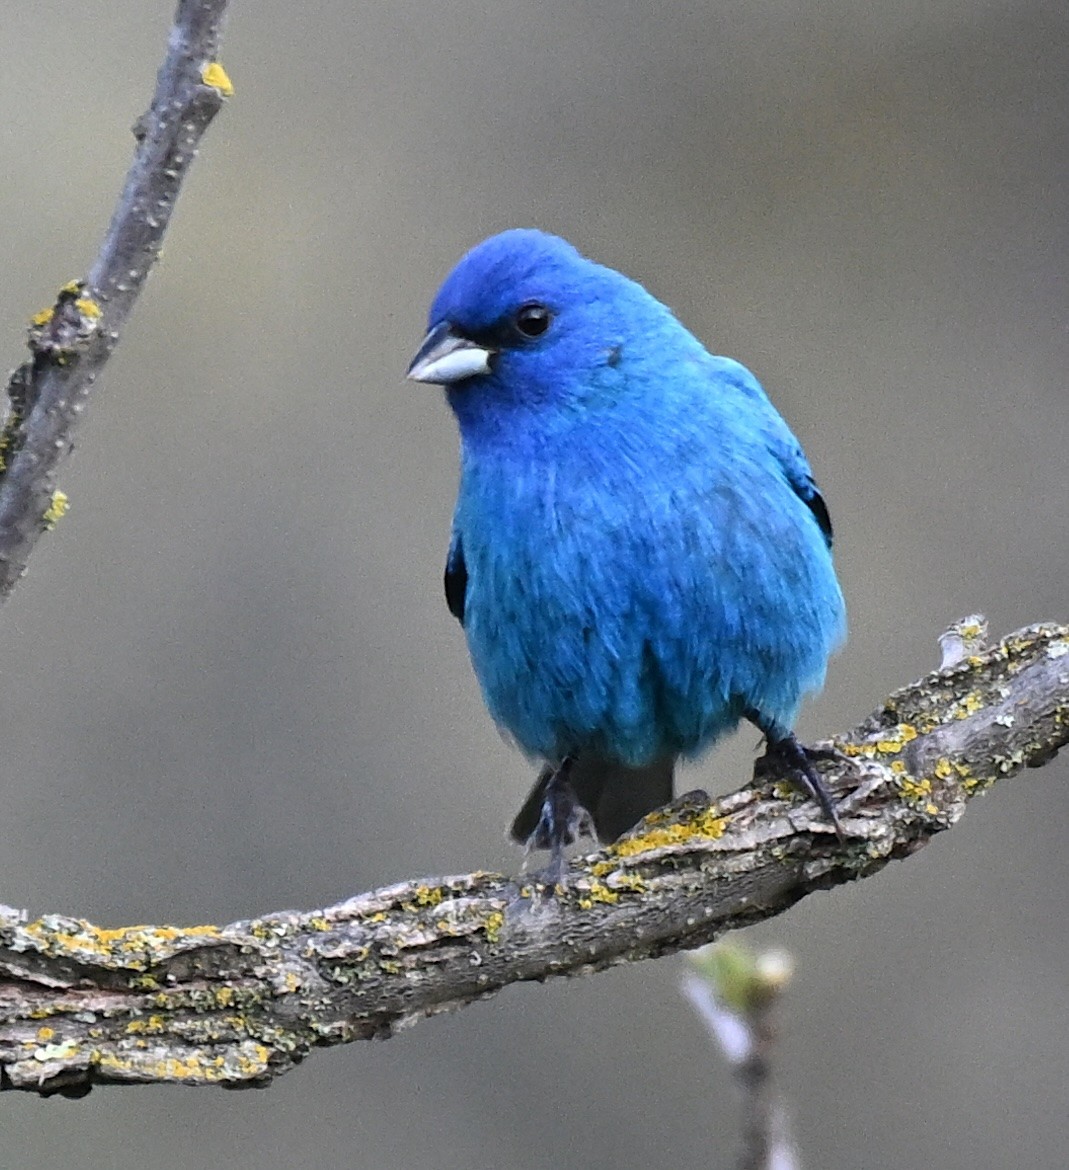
(597, 893)
(214, 74)
(971, 783)
(950, 769)
(890, 743)
(127, 944)
(493, 925)
(56, 510)
(705, 826)
(894, 741)
(44, 1034)
(968, 706)
(913, 789)
(41, 318)
(428, 896)
(88, 308)
(169, 1068)
(266, 931)
(150, 938)
(72, 288)
(151, 1025)
(257, 1062)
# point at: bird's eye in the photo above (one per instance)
(532, 320)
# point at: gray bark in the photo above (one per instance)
(70, 342)
(240, 1004)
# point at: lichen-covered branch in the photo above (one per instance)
(70, 342)
(240, 1004)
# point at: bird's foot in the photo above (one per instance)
(563, 821)
(797, 760)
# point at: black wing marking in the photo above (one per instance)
(796, 467)
(819, 509)
(456, 580)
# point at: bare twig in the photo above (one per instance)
(240, 1004)
(736, 992)
(71, 342)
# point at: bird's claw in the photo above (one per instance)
(563, 822)
(797, 761)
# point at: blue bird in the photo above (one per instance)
(640, 557)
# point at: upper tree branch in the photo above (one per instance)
(71, 342)
(239, 1004)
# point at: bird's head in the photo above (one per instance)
(526, 327)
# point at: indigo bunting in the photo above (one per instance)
(640, 557)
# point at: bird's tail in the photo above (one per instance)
(616, 796)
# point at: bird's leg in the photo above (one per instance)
(784, 749)
(563, 821)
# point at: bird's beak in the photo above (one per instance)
(445, 357)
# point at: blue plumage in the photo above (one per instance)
(640, 556)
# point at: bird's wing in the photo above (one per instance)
(456, 578)
(792, 459)
(781, 443)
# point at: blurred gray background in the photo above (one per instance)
(230, 681)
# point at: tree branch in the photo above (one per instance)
(240, 1004)
(71, 342)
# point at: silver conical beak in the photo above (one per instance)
(445, 357)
